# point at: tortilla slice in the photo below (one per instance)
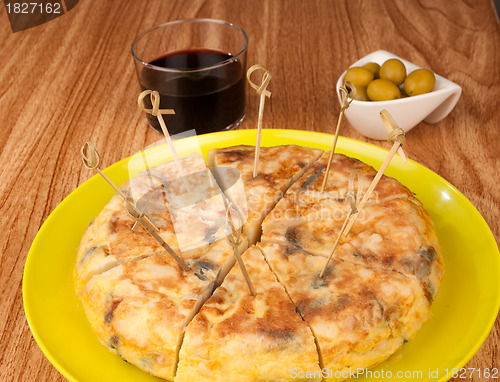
(359, 316)
(240, 338)
(139, 310)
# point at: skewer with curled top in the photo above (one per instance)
(263, 92)
(155, 111)
(91, 160)
(346, 91)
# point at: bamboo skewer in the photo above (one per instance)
(146, 166)
(212, 189)
(391, 125)
(234, 239)
(352, 198)
(344, 95)
(139, 217)
(158, 113)
(397, 138)
(263, 94)
(91, 160)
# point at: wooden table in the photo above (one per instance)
(73, 78)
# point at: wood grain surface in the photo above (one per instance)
(73, 78)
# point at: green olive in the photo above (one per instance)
(382, 90)
(361, 94)
(360, 77)
(393, 70)
(419, 82)
(373, 67)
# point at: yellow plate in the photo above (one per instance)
(464, 310)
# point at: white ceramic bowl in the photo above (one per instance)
(431, 107)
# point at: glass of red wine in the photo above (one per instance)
(198, 67)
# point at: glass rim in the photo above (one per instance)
(177, 22)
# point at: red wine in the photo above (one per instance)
(206, 100)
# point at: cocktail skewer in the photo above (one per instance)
(146, 166)
(140, 218)
(352, 198)
(91, 160)
(344, 96)
(158, 113)
(397, 137)
(234, 239)
(261, 89)
(391, 125)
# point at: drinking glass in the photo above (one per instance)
(198, 67)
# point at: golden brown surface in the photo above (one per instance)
(265, 332)
(54, 78)
(395, 235)
(139, 310)
(359, 316)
